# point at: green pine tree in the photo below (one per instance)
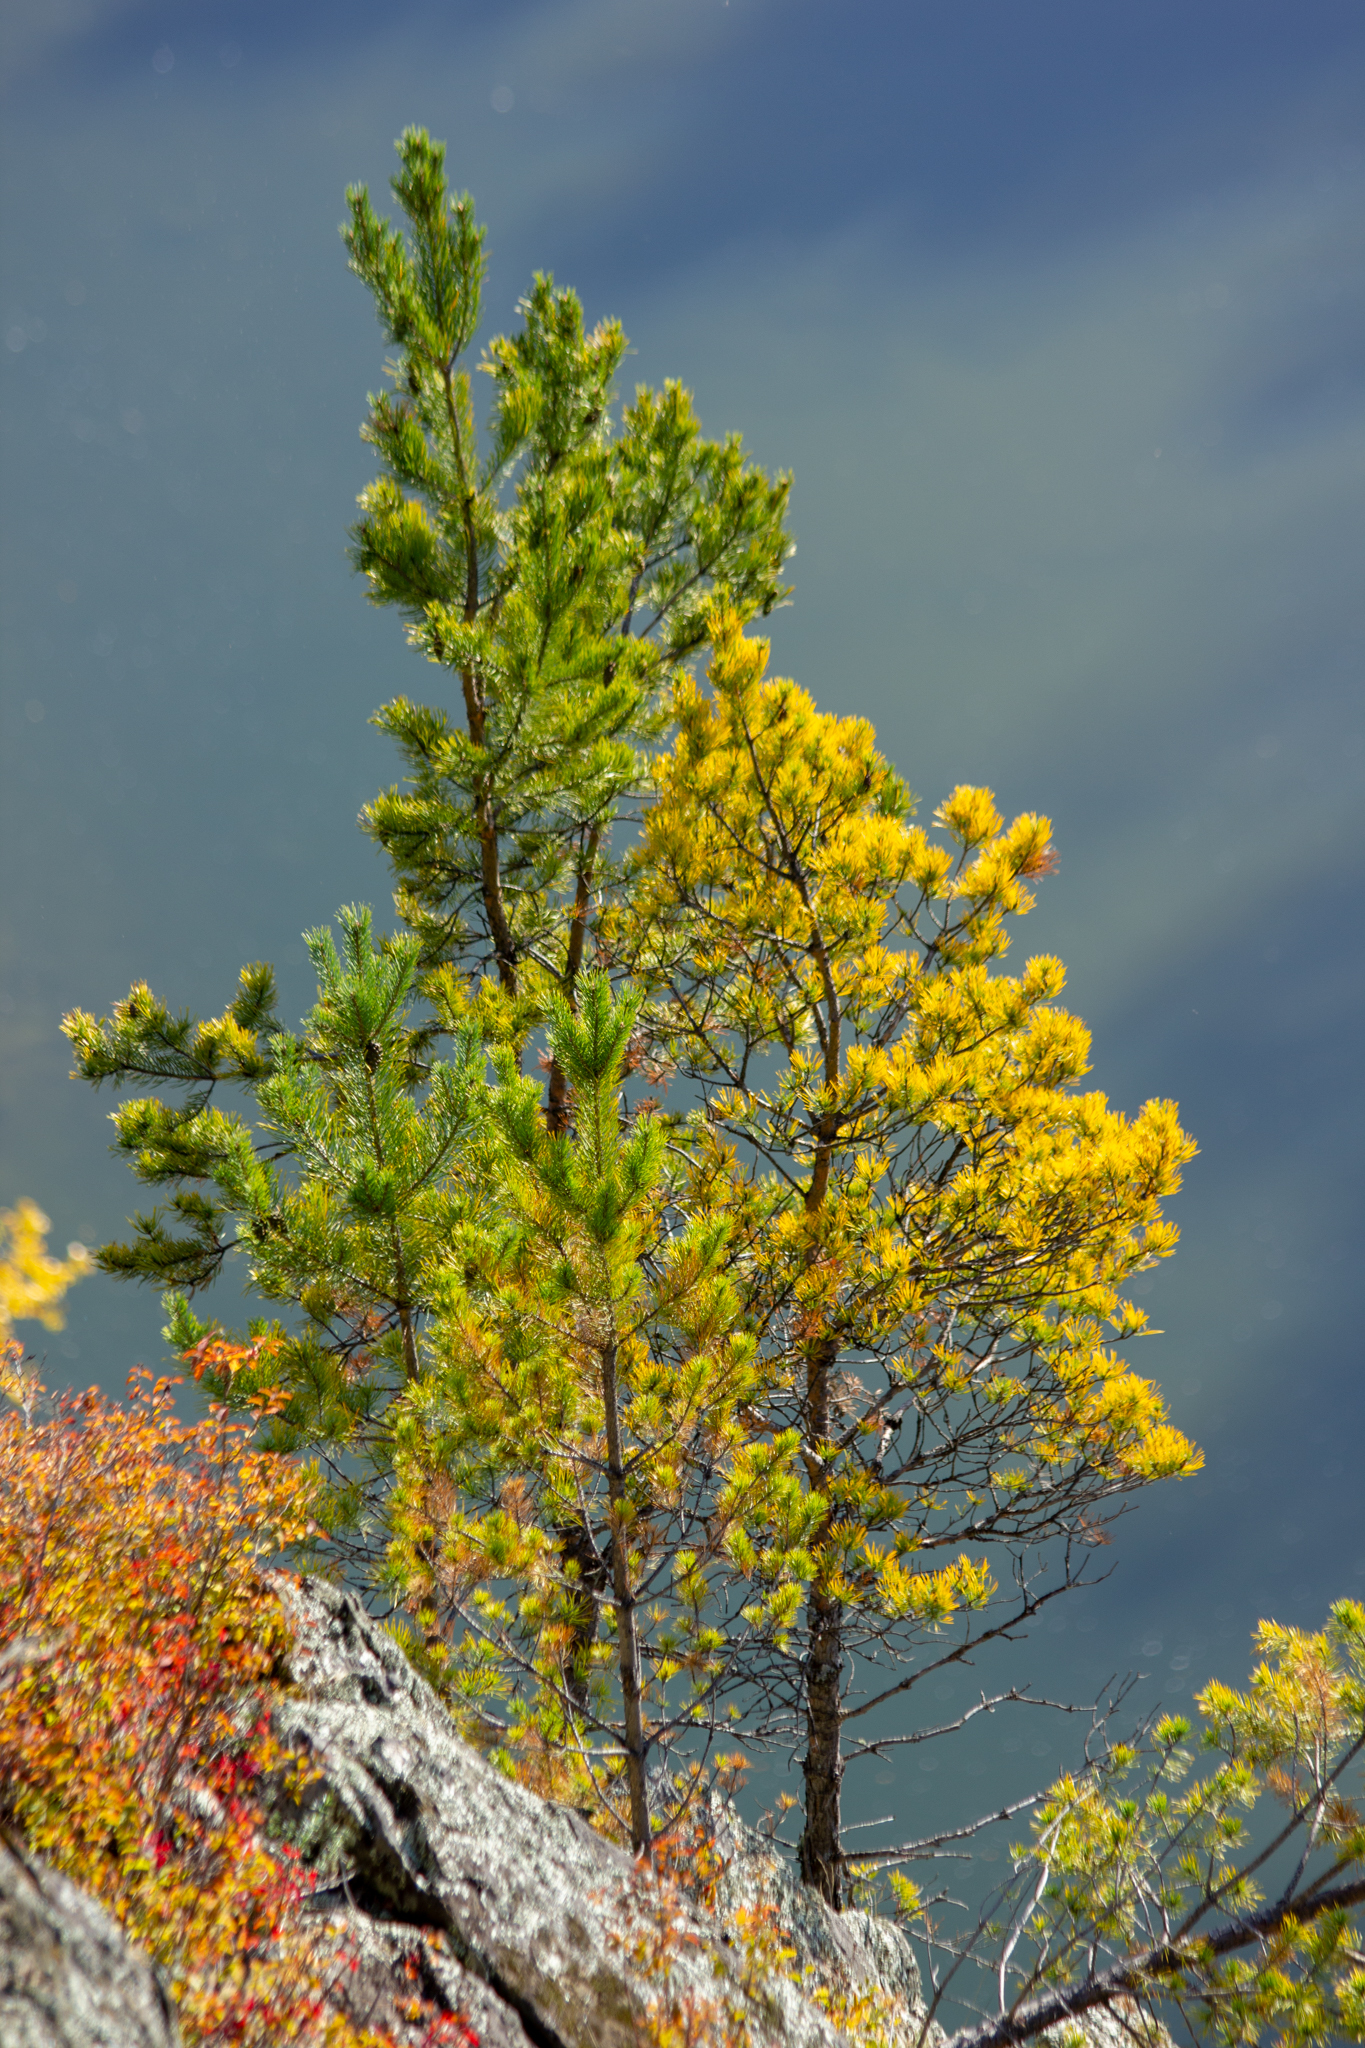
(559, 568)
(342, 1195)
(585, 1474)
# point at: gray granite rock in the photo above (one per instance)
(440, 1876)
(68, 1979)
(410, 1828)
(853, 1950)
(388, 1960)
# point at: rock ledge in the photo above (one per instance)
(410, 1829)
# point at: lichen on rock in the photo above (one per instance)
(408, 1827)
(68, 1978)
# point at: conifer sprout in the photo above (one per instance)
(766, 1354)
(590, 1434)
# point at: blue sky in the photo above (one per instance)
(1057, 313)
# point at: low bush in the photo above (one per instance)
(138, 1644)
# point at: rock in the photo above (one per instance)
(439, 1878)
(544, 1925)
(68, 1978)
(853, 1950)
(394, 1960)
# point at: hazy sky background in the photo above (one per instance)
(1056, 311)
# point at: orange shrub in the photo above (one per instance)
(137, 1639)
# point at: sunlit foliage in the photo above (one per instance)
(941, 1218)
(1149, 1879)
(138, 1641)
(32, 1281)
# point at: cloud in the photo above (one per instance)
(1080, 526)
(32, 31)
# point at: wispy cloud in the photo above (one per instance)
(33, 31)
(1085, 527)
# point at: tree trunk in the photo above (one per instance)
(627, 1633)
(594, 1571)
(823, 1764)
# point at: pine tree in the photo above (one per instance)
(948, 1218)
(562, 575)
(586, 1434)
(917, 1218)
(560, 572)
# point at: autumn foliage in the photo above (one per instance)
(137, 1642)
(32, 1280)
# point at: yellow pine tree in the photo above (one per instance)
(941, 1217)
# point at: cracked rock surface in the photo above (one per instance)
(855, 1950)
(411, 1829)
(440, 1879)
(68, 1979)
